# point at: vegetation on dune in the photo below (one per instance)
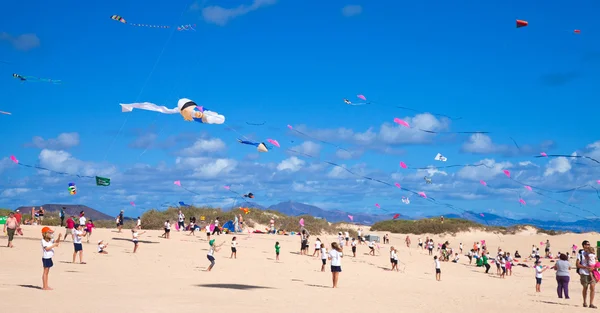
(435, 226)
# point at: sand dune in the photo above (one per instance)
(169, 275)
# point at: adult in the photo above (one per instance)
(70, 227)
(61, 214)
(587, 281)
(19, 218)
(82, 219)
(442, 219)
(562, 268)
(120, 221)
(241, 222)
(272, 226)
(236, 225)
(180, 221)
(303, 241)
(41, 213)
(10, 227)
(547, 249)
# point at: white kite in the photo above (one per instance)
(186, 107)
(405, 200)
(440, 157)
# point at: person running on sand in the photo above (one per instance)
(353, 247)
(48, 245)
(10, 227)
(323, 257)
(139, 223)
(420, 243)
(539, 269)
(317, 247)
(277, 247)
(394, 258)
(371, 248)
(335, 255)
(89, 226)
(211, 252)
(484, 260)
(233, 248)
(438, 268)
(102, 247)
(134, 238)
(407, 241)
(78, 234)
(167, 233)
(192, 226)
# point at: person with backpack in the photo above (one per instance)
(587, 281)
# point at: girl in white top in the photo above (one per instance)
(233, 248)
(341, 239)
(347, 235)
(102, 247)
(539, 269)
(353, 247)
(323, 257)
(359, 236)
(335, 255)
(48, 245)
(317, 246)
(134, 239)
(372, 248)
(211, 253)
(78, 234)
(167, 233)
(394, 258)
(438, 269)
(139, 223)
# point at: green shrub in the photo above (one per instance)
(434, 226)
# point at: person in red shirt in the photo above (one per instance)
(18, 216)
(70, 227)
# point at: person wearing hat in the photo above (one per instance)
(48, 245)
(210, 255)
(10, 227)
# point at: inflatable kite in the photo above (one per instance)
(427, 179)
(249, 195)
(35, 79)
(521, 23)
(118, 18)
(186, 107)
(72, 189)
(440, 157)
(6, 113)
(260, 146)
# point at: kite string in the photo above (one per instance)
(162, 52)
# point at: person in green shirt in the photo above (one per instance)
(485, 263)
(277, 247)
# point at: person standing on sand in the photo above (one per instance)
(277, 247)
(317, 247)
(210, 255)
(61, 214)
(180, 221)
(438, 268)
(10, 227)
(587, 281)
(547, 249)
(120, 221)
(70, 227)
(335, 255)
(407, 240)
(539, 269)
(360, 240)
(48, 245)
(78, 234)
(41, 213)
(562, 268)
(353, 247)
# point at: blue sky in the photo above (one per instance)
(292, 62)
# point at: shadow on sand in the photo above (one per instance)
(142, 241)
(233, 286)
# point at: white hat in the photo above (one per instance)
(17, 211)
(183, 101)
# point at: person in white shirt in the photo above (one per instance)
(211, 253)
(539, 269)
(461, 248)
(456, 258)
(317, 246)
(420, 243)
(341, 240)
(167, 233)
(360, 240)
(372, 248)
(233, 248)
(48, 245)
(102, 247)
(78, 233)
(135, 238)
(323, 257)
(394, 258)
(82, 219)
(438, 268)
(353, 247)
(180, 221)
(139, 223)
(217, 229)
(207, 229)
(335, 255)
(347, 237)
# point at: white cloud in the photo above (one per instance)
(63, 141)
(204, 146)
(62, 161)
(292, 164)
(308, 147)
(488, 170)
(351, 10)
(559, 165)
(483, 144)
(24, 42)
(202, 167)
(220, 16)
(12, 192)
(299, 187)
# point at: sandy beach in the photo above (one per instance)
(170, 275)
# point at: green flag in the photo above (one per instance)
(101, 181)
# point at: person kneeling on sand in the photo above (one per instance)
(102, 247)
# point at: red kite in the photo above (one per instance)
(396, 216)
(521, 23)
(577, 31)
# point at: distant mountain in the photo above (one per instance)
(590, 225)
(295, 209)
(69, 210)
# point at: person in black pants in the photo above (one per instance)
(217, 229)
(62, 217)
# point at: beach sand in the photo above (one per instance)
(168, 275)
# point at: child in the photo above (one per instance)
(102, 247)
(88, 227)
(207, 229)
(592, 262)
(192, 226)
(277, 247)
(233, 248)
(438, 269)
(78, 233)
(210, 254)
(353, 247)
(323, 257)
(317, 246)
(134, 239)
(394, 258)
(167, 233)
(372, 248)
(347, 237)
(539, 269)
(456, 258)
(139, 223)
(335, 255)
(48, 245)
(503, 266)
(461, 248)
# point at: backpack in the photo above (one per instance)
(580, 257)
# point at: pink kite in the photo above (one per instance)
(132, 203)
(301, 222)
(212, 227)
(377, 205)
(483, 242)
(290, 126)
(528, 188)
(422, 194)
(403, 165)
(544, 154)
(481, 214)
(177, 182)
(12, 158)
(227, 187)
(522, 202)
(396, 216)
(483, 182)
(274, 142)
(361, 97)
(351, 217)
(541, 243)
(401, 122)
(598, 181)
(398, 185)
(507, 173)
